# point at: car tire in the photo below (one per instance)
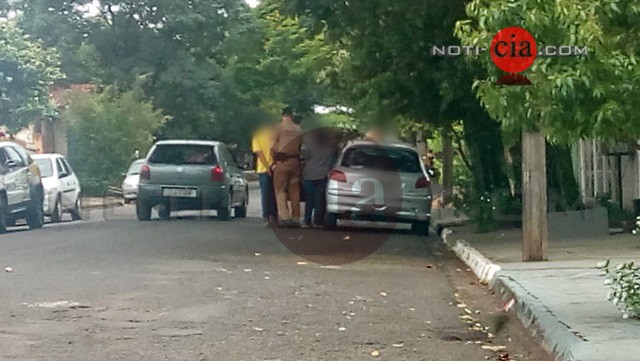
(164, 211)
(331, 221)
(224, 211)
(76, 213)
(241, 212)
(56, 215)
(3, 214)
(421, 228)
(143, 211)
(35, 212)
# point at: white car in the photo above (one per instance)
(61, 186)
(131, 181)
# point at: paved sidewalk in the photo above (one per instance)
(563, 300)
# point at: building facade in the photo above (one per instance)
(605, 170)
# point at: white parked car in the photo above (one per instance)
(131, 181)
(61, 186)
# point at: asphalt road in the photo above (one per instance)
(194, 288)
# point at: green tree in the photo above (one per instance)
(172, 49)
(592, 96)
(104, 130)
(27, 70)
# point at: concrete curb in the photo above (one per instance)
(483, 267)
(556, 336)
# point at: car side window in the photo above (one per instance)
(13, 156)
(67, 166)
(62, 170)
(227, 156)
(23, 153)
(3, 162)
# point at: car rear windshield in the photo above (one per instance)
(382, 158)
(183, 154)
(46, 167)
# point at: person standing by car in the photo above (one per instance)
(319, 159)
(261, 147)
(287, 140)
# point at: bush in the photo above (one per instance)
(104, 130)
(488, 210)
(624, 281)
(618, 217)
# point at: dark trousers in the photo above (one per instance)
(268, 196)
(316, 203)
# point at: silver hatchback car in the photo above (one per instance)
(379, 182)
(191, 175)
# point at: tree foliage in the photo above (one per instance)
(27, 70)
(570, 97)
(104, 130)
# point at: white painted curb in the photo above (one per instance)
(484, 268)
(534, 315)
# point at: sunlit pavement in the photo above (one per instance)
(195, 288)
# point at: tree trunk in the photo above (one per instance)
(447, 163)
(535, 231)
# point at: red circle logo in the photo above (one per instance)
(513, 49)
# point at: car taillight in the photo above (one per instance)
(422, 182)
(338, 176)
(217, 174)
(145, 172)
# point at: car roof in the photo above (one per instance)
(46, 156)
(5, 143)
(187, 142)
(362, 142)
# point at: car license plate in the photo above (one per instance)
(179, 192)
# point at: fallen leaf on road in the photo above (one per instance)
(507, 306)
(375, 353)
(494, 348)
(331, 267)
(178, 332)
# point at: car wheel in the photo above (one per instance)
(35, 213)
(421, 228)
(76, 213)
(164, 211)
(331, 221)
(143, 210)
(224, 211)
(56, 215)
(3, 214)
(241, 212)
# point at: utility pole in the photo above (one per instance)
(535, 231)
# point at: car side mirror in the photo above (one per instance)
(11, 164)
